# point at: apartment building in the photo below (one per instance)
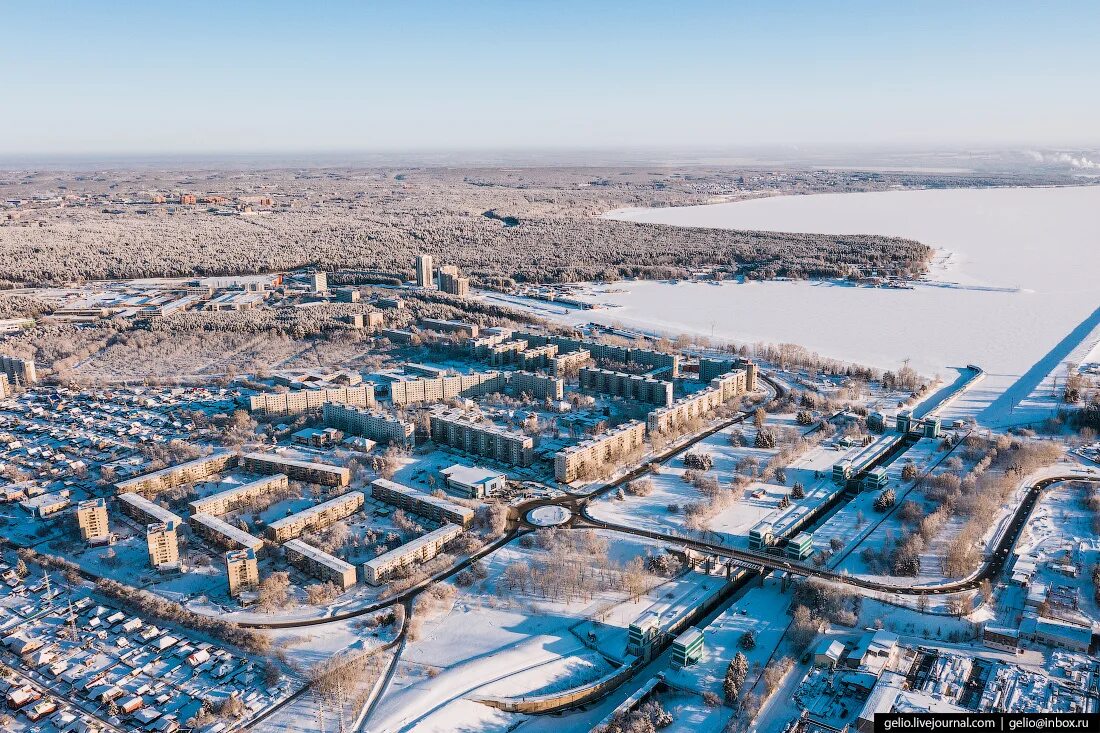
(452, 282)
(656, 360)
(489, 337)
(242, 570)
(224, 534)
(143, 511)
(319, 564)
(506, 352)
(377, 425)
(453, 428)
(711, 368)
(420, 550)
(424, 271)
(585, 458)
(699, 404)
(431, 507)
(371, 321)
(460, 328)
(564, 365)
(164, 544)
(20, 372)
(91, 519)
(538, 386)
(181, 473)
(224, 502)
(297, 402)
(439, 389)
(628, 386)
(309, 471)
(5, 388)
(318, 282)
(316, 517)
(536, 357)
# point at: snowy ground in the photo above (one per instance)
(1013, 289)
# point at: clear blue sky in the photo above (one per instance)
(193, 76)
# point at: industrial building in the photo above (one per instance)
(316, 517)
(297, 402)
(687, 648)
(224, 534)
(242, 570)
(584, 459)
(224, 502)
(420, 550)
(309, 471)
(91, 518)
(417, 502)
(182, 473)
(374, 424)
(538, 386)
(164, 544)
(404, 391)
(641, 634)
(800, 547)
(628, 386)
(699, 404)
(453, 428)
(320, 565)
(144, 511)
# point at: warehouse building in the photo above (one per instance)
(309, 471)
(430, 507)
(319, 564)
(420, 550)
(586, 458)
(316, 517)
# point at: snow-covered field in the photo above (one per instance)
(1014, 288)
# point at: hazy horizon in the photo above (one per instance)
(245, 79)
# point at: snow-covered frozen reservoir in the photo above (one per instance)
(1015, 288)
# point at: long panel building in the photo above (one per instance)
(537, 385)
(316, 517)
(564, 365)
(453, 428)
(320, 564)
(628, 386)
(417, 502)
(374, 424)
(711, 368)
(300, 401)
(224, 502)
(224, 534)
(647, 357)
(583, 459)
(142, 510)
(420, 550)
(310, 471)
(699, 404)
(182, 473)
(439, 389)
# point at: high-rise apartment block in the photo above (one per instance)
(536, 357)
(318, 282)
(424, 271)
(244, 573)
(91, 518)
(451, 282)
(628, 386)
(454, 428)
(569, 363)
(20, 372)
(164, 544)
(699, 404)
(587, 458)
(374, 424)
(5, 390)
